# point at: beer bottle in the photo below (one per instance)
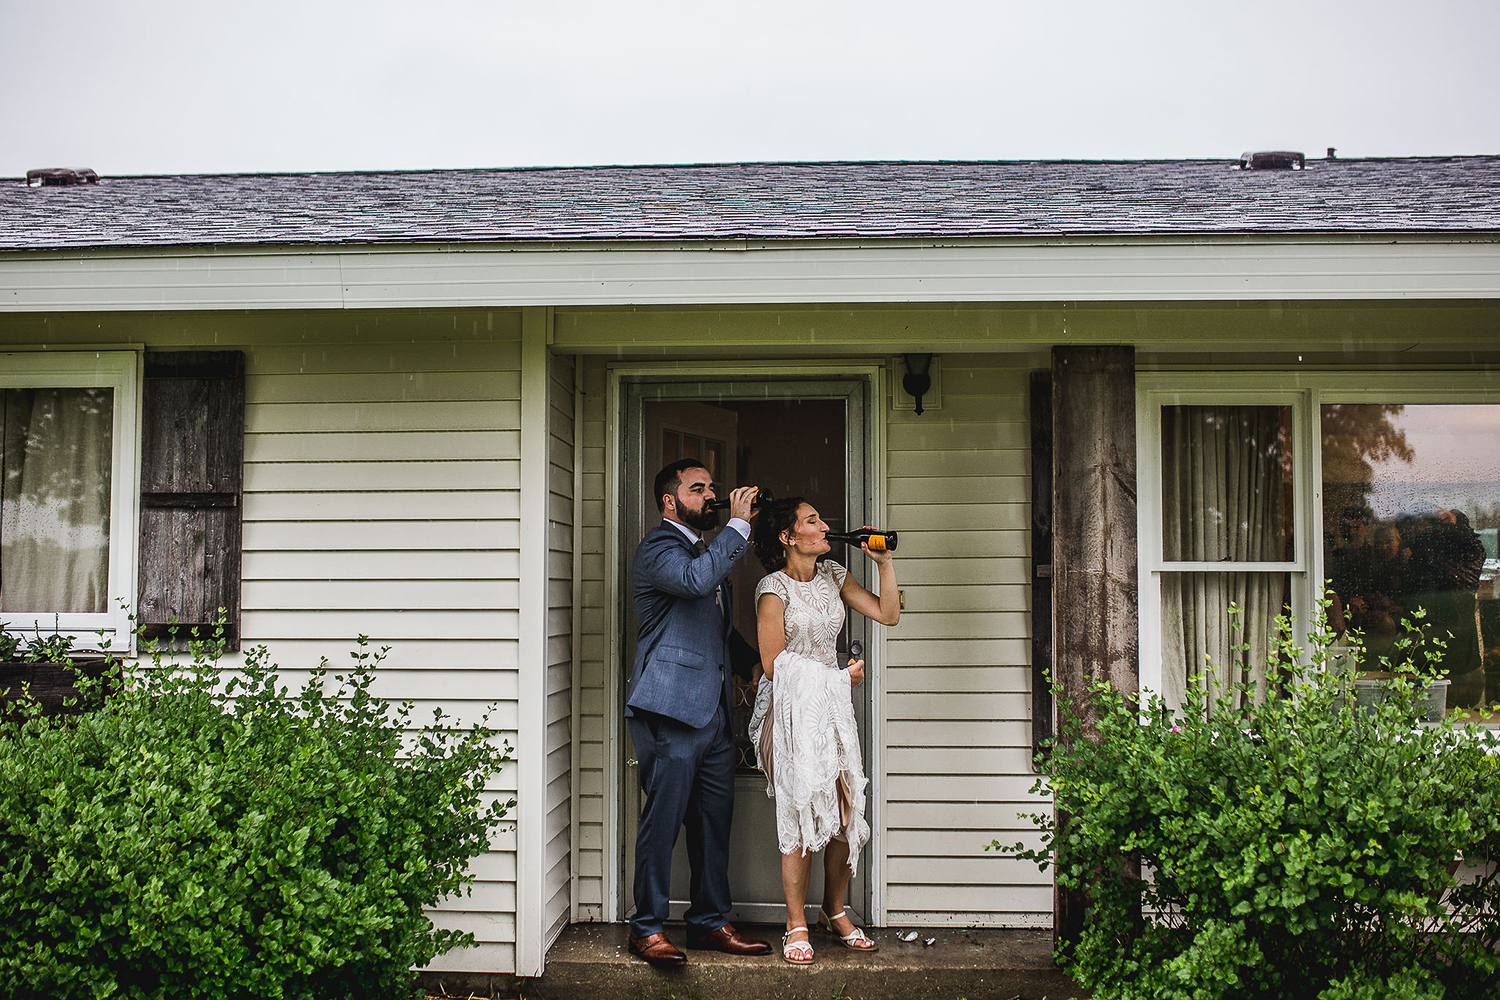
(761, 497)
(878, 540)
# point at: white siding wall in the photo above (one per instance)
(381, 497)
(558, 708)
(593, 852)
(957, 681)
(958, 677)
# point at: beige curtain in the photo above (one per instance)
(1223, 500)
(54, 500)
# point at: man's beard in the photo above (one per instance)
(703, 520)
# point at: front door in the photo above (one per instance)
(791, 437)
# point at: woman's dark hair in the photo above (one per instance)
(775, 517)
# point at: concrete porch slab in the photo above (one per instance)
(591, 962)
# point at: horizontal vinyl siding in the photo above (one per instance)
(957, 680)
(957, 683)
(591, 853)
(381, 498)
(557, 855)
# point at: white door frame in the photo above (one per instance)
(874, 375)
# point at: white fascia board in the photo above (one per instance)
(448, 275)
(169, 280)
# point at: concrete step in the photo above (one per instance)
(592, 962)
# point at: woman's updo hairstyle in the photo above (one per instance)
(778, 516)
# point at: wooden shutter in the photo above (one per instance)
(1042, 706)
(192, 485)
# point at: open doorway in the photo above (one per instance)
(792, 437)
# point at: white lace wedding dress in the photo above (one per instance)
(803, 725)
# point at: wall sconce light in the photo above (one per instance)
(917, 382)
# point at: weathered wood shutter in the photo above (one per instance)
(192, 484)
(1042, 704)
(1096, 620)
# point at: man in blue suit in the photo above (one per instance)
(678, 710)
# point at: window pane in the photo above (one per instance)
(54, 499)
(1227, 483)
(1411, 504)
(1200, 638)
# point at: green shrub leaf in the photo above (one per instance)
(1281, 841)
(209, 833)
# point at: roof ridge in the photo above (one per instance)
(731, 164)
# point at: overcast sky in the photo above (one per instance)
(201, 86)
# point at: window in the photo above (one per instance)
(68, 448)
(1411, 505)
(1253, 492)
(1221, 472)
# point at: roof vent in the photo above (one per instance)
(1280, 160)
(60, 177)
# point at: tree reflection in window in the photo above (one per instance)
(1411, 504)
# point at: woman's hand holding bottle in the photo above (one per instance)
(856, 670)
(882, 554)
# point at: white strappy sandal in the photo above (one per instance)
(855, 940)
(797, 952)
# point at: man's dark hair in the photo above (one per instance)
(668, 479)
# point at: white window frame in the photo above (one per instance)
(120, 371)
(1305, 392)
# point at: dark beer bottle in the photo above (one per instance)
(878, 540)
(761, 497)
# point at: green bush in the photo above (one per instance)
(211, 834)
(54, 648)
(1274, 843)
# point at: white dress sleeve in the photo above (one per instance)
(771, 583)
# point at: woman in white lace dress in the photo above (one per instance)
(803, 726)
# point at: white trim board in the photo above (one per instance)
(531, 814)
(1082, 270)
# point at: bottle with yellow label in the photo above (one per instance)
(878, 540)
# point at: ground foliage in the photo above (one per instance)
(209, 833)
(1277, 842)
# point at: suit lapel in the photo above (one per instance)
(724, 591)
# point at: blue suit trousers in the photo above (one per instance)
(688, 777)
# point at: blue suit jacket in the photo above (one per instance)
(681, 665)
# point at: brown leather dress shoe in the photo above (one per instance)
(657, 950)
(728, 940)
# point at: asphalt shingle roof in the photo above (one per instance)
(759, 201)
